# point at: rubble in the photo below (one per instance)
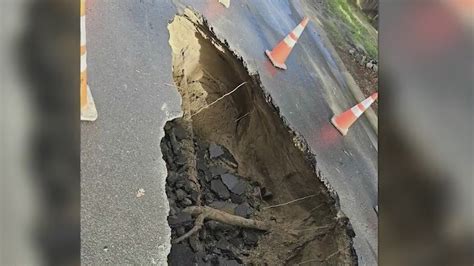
(216, 243)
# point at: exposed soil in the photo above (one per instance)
(232, 152)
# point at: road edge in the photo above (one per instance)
(350, 82)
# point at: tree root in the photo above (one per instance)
(204, 212)
(197, 226)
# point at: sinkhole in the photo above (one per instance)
(242, 187)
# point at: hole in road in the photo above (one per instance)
(235, 163)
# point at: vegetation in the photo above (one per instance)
(359, 28)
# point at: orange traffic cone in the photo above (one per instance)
(88, 110)
(279, 54)
(343, 121)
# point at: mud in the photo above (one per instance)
(242, 134)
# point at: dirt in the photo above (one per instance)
(242, 132)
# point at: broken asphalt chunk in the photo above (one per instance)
(181, 218)
(244, 210)
(220, 189)
(215, 151)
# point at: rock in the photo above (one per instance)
(215, 151)
(210, 244)
(181, 218)
(362, 61)
(250, 237)
(172, 202)
(208, 177)
(217, 251)
(201, 146)
(237, 242)
(175, 147)
(199, 259)
(227, 248)
(172, 211)
(188, 187)
(180, 255)
(234, 184)
(375, 68)
(180, 231)
(201, 165)
(187, 202)
(229, 180)
(245, 252)
(170, 193)
(181, 194)
(194, 195)
(182, 172)
(236, 198)
(352, 51)
(350, 230)
(209, 198)
(219, 234)
(223, 245)
(179, 132)
(195, 244)
(220, 189)
(224, 206)
(233, 233)
(217, 170)
(180, 159)
(168, 156)
(226, 262)
(239, 188)
(180, 183)
(266, 194)
(244, 210)
(212, 225)
(369, 65)
(172, 178)
(210, 257)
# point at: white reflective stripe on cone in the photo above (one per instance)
(289, 41)
(84, 62)
(356, 111)
(367, 102)
(89, 112)
(83, 30)
(298, 30)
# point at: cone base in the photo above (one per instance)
(89, 112)
(225, 3)
(276, 64)
(342, 130)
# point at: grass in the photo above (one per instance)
(357, 24)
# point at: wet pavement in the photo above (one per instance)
(129, 64)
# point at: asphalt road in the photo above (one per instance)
(129, 63)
